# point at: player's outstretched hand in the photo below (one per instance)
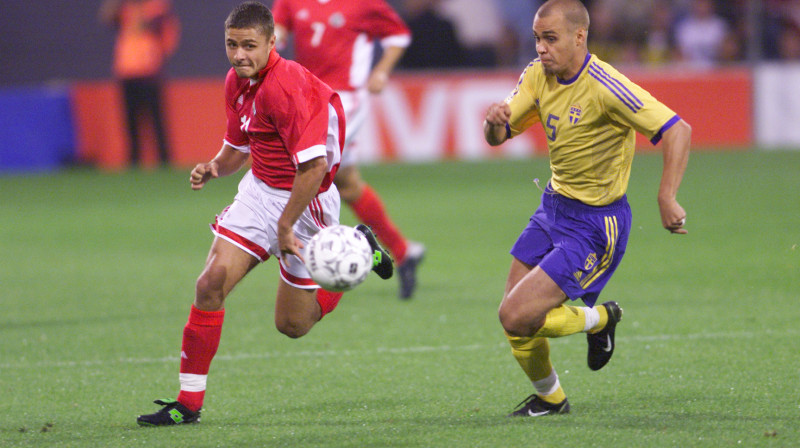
(202, 173)
(673, 217)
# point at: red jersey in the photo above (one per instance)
(282, 120)
(334, 38)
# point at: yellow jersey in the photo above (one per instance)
(591, 122)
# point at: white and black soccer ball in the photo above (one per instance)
(338, 258)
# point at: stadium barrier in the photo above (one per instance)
(36, 129)
(420, 117)
(777, 108)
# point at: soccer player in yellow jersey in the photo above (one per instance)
(577, 237)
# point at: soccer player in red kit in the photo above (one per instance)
(334, 39)
(292, 126)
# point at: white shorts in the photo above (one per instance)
(356, 107)
(251, 223)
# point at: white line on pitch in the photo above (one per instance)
(377, 351)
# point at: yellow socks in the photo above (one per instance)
(533, 355)
(566, 320)
(603, 313)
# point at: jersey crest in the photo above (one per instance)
(336, 20)
(591, 259)
(575, 113)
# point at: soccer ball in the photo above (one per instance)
(338, 258)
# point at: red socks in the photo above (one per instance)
(327, 300)
(370, 210)
(200, 342)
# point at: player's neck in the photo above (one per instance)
(575, 66)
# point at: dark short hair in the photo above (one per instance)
(251, 15)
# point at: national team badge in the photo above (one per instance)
(590, 261)
(336, 20)
(574, 113)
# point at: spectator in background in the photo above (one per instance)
(479, 28)
(789, 43)
(658, 43)
(517, 17)
(700, 36)
(605, 37)
(147, 34)
(780, 25)
(441, 48)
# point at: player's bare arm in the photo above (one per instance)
(675, 143)
(227, 161)
(306, 185)
(380, 73)
(494, 127)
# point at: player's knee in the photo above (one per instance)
(516, 323)
(293, 328)
(209, 292)
(510, 322)
(350, 193)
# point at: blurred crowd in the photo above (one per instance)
(699, 33)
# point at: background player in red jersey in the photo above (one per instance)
(335, 40)
(293, 126)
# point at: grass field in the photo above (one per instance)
(98, 273)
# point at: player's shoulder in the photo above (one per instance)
(287, 72)
(381, 6)
(288, 77)
(528, 79)
(604, 74)
(533, 72)
(608, 82)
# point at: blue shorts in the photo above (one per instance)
(579, 246)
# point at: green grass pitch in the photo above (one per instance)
(98, 272)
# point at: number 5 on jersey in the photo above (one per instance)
(551, 127)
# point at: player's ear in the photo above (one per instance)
(580, 36)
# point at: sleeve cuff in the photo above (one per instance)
(310, 153)
(241, 148)
(657, 138)
(398, 40)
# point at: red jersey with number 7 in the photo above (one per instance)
(284, 118)
(335, 38)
